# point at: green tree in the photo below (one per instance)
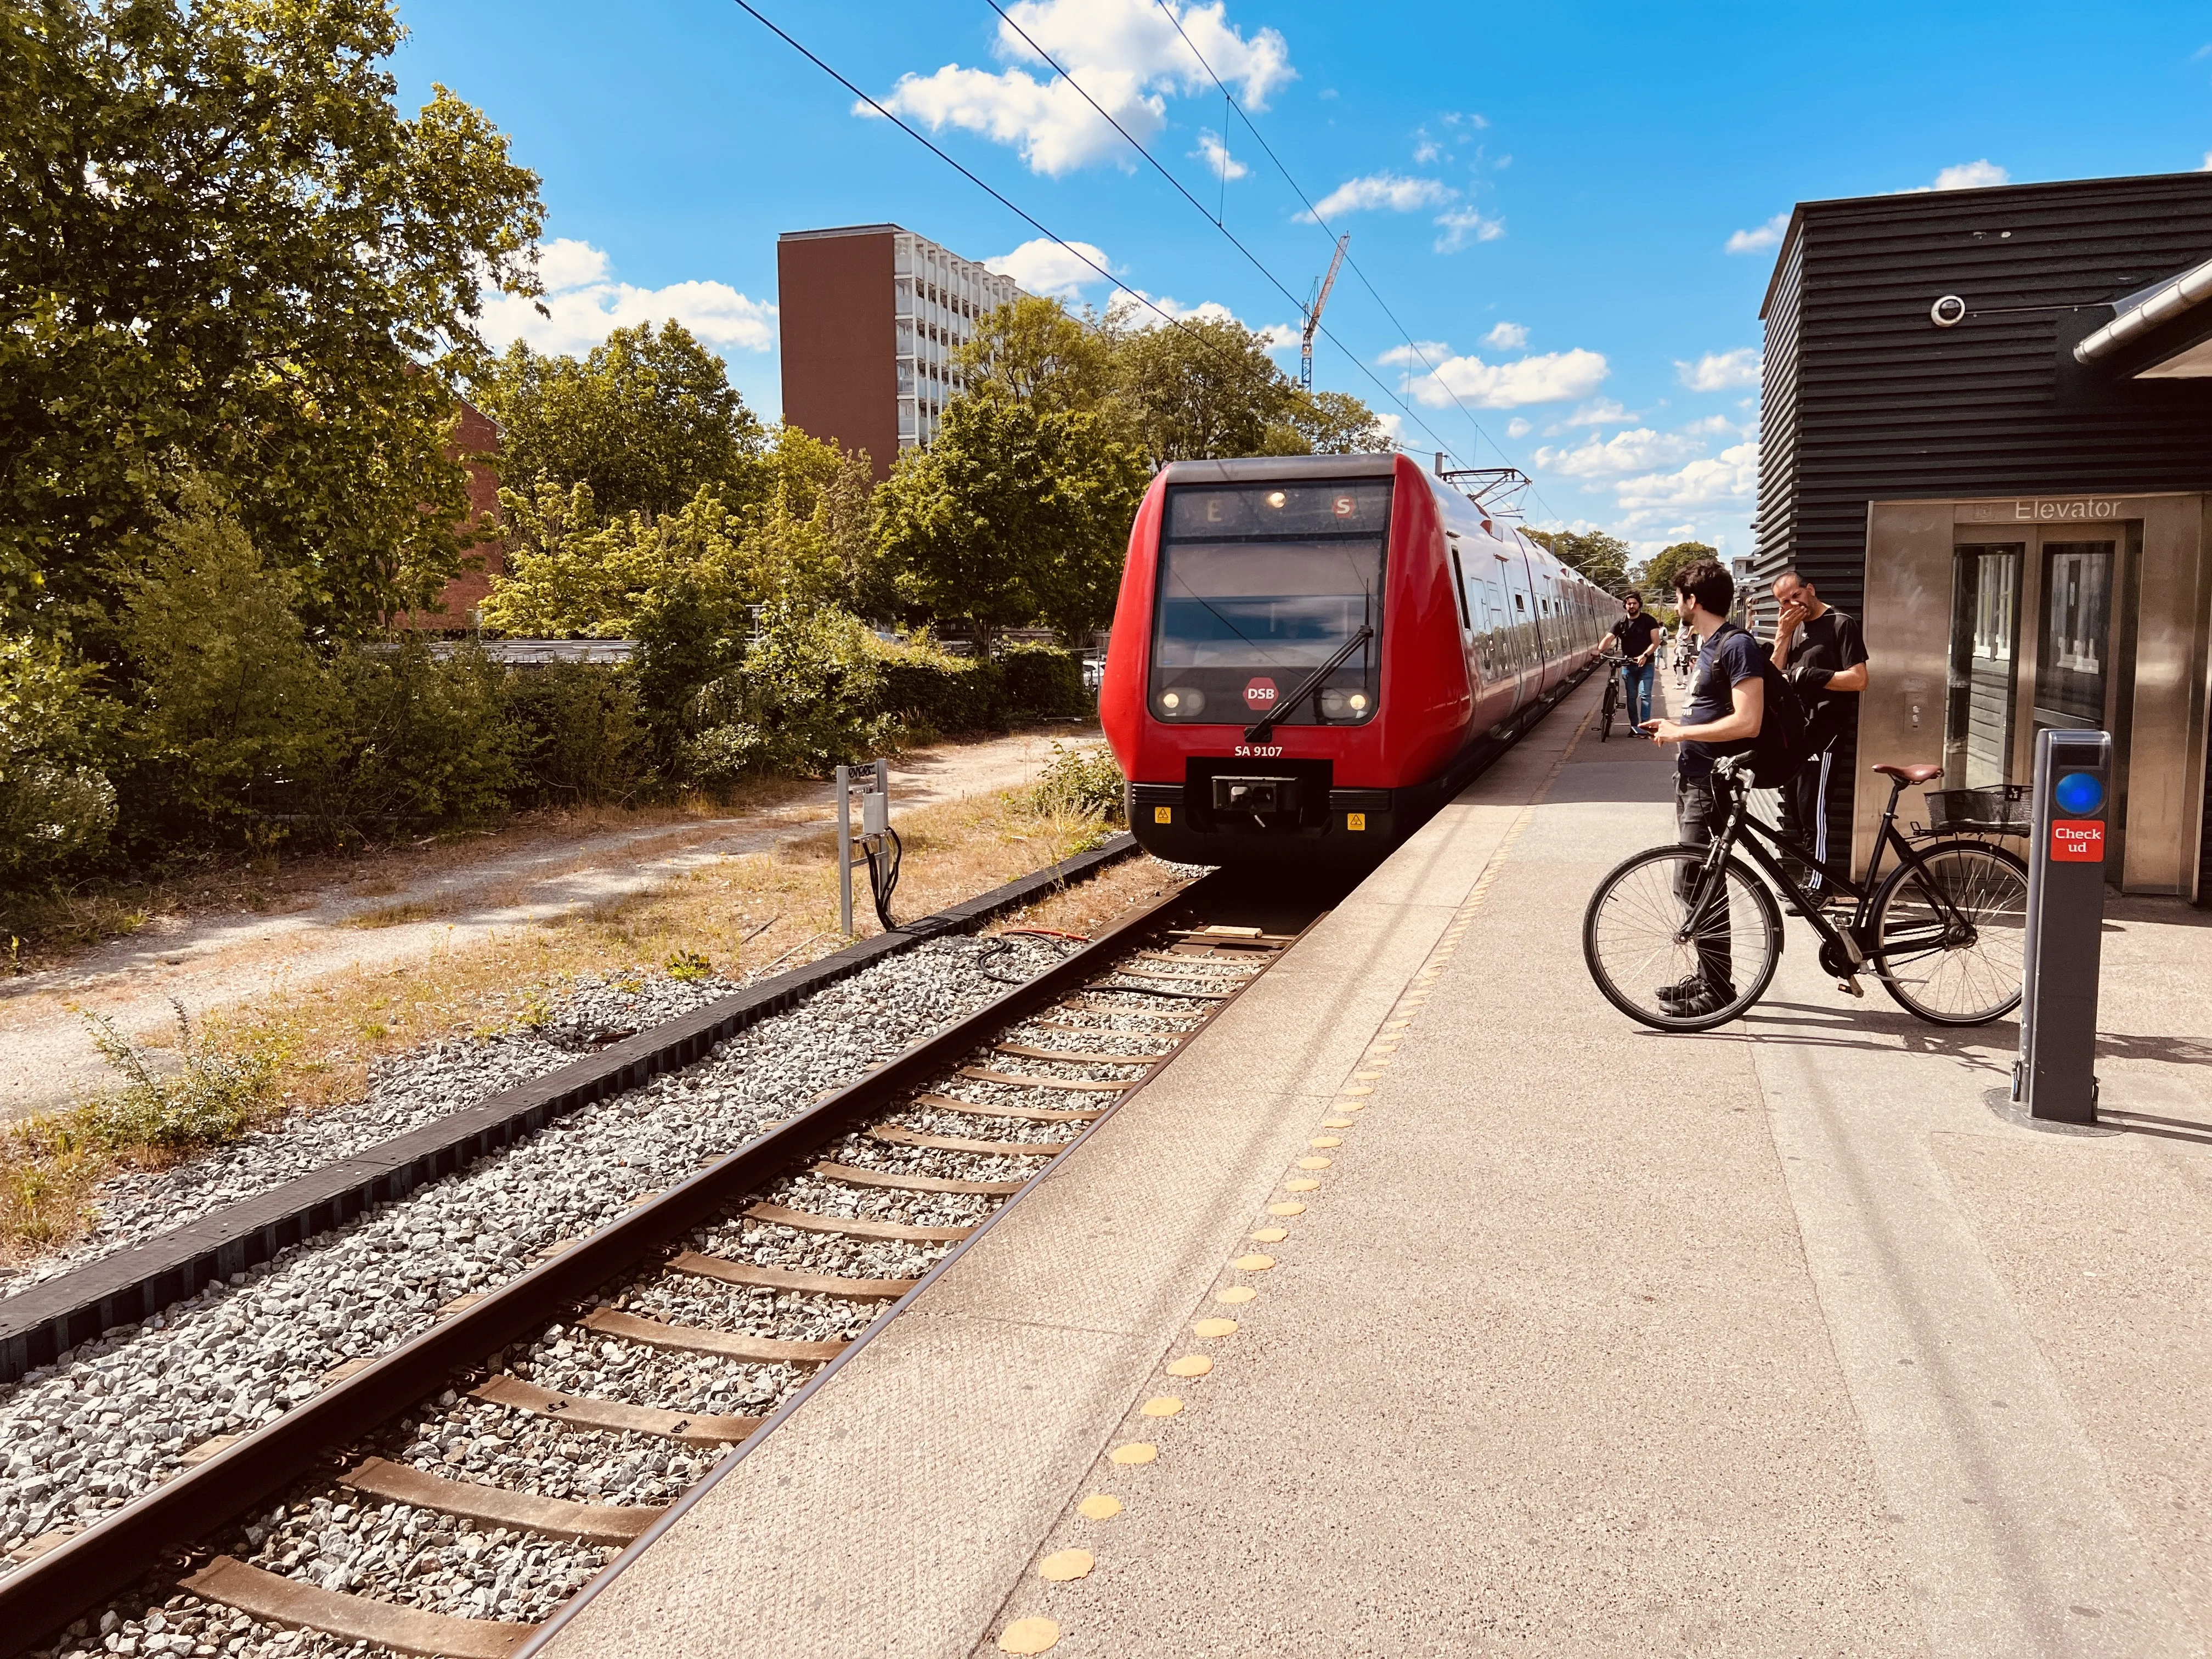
(229, 254)
(1033, 351)
(1656, 574)
(648, 420)
(1202, 389)
(1014, 516)
(55, 801)
(1601, 559)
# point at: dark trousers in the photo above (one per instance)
(1805, 812)
(1700, 815)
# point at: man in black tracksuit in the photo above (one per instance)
(1824, 655)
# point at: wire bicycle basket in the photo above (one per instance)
(1995, 809)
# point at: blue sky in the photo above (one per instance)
(1568, 209)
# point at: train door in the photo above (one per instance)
(1520, 619)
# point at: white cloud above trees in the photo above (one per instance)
(1719, 371)
(1128, 54)
(587, 304)
(1393, 192)
(1636, 450)
(1051, 268)
(1552, 377)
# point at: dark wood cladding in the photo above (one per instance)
(1866, 399)
(839, 338)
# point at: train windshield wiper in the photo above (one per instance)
(1310, 684)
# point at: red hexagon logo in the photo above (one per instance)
(1260, 694)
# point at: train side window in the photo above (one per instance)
(1459, 590)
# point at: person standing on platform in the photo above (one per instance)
(1639, 634)
(1824, 655)
(1728, 703)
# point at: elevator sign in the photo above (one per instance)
(2077, 841)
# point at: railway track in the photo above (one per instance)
(449, 1497)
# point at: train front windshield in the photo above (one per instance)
(1260, 586)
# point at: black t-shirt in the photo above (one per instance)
(1725, 661)
(1635, 633)
(1832, 641)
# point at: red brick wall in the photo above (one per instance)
(475, 436)
(840, 341)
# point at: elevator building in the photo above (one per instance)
(1986, 431)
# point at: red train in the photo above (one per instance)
(1312, 652)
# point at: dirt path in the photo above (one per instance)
(46, 1054)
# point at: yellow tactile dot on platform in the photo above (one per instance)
(1029, 1636)
(1161, 1405)
(1314, 1163)
(1301, 1184)
(1257, 1264)
(1235, 1294)
(1336, 1123)
(1269, 1234)
(1134, 1453)
(1285, 1209)
(1099, 1506)
(1189, 1365)
(1328, 1141)
(1063, 1564)
(1357, 1089)
(1214, 1327)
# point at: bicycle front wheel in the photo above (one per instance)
(1605, 714)
(1674, 956)
(1950, 935)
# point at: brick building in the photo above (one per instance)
(871, 316)
(476, 436)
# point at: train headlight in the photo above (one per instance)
(1181, 703)
(1275, 498)
(1339, 705)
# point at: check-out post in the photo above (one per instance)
(2056, 1075)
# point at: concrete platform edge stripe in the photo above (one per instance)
(797, 1399)
(295, 1606)
(129, 1285)
(555, 1517)
(855, 1226)
(692, 1338)
(853, 1174)
(786, 1279)
(693, 1428)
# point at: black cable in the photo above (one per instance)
(883, 877)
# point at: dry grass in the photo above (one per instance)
(745, 916)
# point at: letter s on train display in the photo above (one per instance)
(2077, 841)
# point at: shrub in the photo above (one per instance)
(577, 735)
(806, 699)
(425, 737)
(56, 807)
(210, 1100)
(1083, 779)
(931, 692)
(1044, 682)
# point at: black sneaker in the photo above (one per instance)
(1670, 996)
(1709, 999)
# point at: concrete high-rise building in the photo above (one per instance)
(871, 315)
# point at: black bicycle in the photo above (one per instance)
(1610, 661)
(1684, 938)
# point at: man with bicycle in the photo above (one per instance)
(1636, 636)
(1728, 703)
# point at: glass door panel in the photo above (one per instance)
(2076, 645)
(1984, 653)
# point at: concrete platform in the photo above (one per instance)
(1783, 1340)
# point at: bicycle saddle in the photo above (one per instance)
(1911, 774)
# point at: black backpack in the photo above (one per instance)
(1786, 739)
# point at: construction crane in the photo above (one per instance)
(1313, 314)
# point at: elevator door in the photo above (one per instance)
(1984, 657)
(2073, 664)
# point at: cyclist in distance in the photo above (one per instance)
(1639, 634)
(1727, 702)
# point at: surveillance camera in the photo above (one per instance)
(1949, 312)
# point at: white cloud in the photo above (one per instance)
(1133, 308)
(1729, 479)
(1554, 377)
(1128, 54)
(1719, 426)
(1389, 190)
(1599, 412)
(587, 305)
(2207, 168)
(1463, 225)
(1215, 154)
(1507, 337)
(1426, 353)
(1049, 268)
(1426, 151)
(1519, 427)
(1967, 175)
(1634, 451)
(1758, 241)
(1717, 371)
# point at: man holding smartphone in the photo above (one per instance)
(1728, 703)
(1824, 655)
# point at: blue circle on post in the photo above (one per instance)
(2079, 793)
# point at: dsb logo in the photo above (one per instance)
(2077, 841)
(1259, 693)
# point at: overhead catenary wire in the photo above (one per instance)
(1314, 213)
(1183, 191)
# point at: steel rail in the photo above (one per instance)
(41, 1598)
